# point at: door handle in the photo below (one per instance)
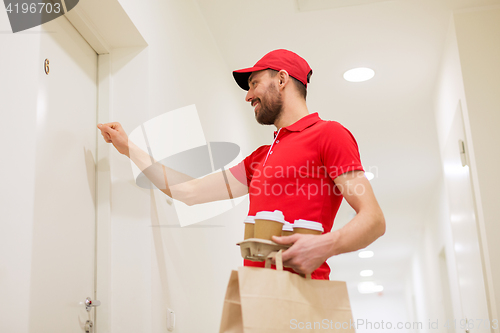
(89, 303)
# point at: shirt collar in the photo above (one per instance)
(302, 123)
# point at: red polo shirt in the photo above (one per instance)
(295, 174)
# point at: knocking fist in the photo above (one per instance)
(114, 133)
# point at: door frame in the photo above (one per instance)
(104, 33)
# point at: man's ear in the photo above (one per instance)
(283, 77)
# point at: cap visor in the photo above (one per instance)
(241, 76)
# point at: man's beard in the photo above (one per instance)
(271, 106)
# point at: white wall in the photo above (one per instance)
(447, 96)
(18, 107)
(427, 279)
(155, 267)
(469, 76)
(478, 36)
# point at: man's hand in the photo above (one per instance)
(213, 187)
(307, 253)
(114, 133)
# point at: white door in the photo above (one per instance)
(473, 307)
(63, 243)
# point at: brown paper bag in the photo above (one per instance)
(273, 301)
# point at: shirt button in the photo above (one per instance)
(277, 141)
(271, 152)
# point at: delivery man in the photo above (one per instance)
(306, 171)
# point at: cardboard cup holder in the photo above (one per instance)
(257, 249)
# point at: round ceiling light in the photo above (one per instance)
(359, 74)
(366, 272)
(369, 287)
(365, 254)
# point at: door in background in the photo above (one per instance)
(63, 252)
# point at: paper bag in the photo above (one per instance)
(260, 300)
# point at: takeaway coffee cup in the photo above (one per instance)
(249, 226)
(268, 224)
(307, 227)
(287, 229)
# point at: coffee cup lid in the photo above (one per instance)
(308, 225)
(277, 216)
(287, 226)
(250, 219)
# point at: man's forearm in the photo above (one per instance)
(360, 232)
(161, 176)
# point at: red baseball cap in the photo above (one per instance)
(295, 65)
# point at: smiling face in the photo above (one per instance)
(265, 97)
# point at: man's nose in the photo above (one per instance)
(249, 96)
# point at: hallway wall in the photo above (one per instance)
(426, 286)
(478, 35)
(18, 129)
(469, 77)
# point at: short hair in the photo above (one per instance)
(301, 88)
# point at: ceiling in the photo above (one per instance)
(391, 115)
